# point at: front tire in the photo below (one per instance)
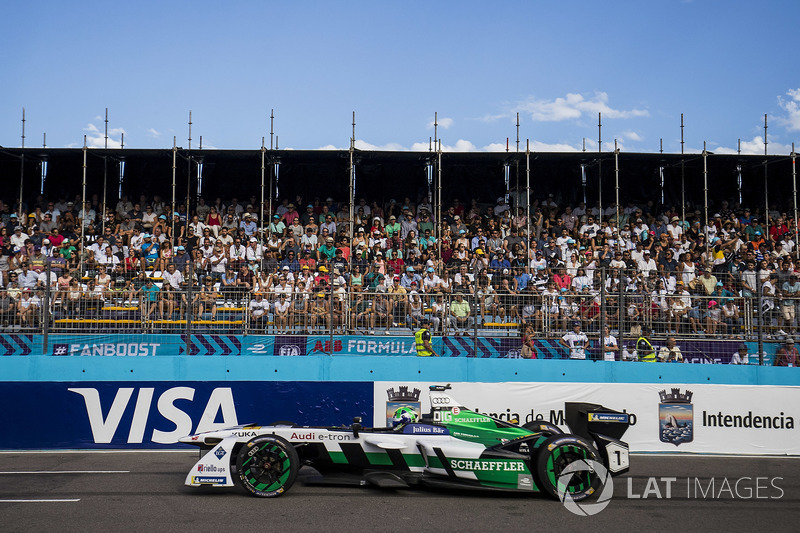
(267, 466)
(554, 455)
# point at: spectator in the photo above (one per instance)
(670, 352)
(787, 354)
(575, 341)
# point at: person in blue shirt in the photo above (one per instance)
(499, 262)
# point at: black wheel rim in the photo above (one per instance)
(268, 468)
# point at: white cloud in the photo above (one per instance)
(95, 137)
(574, 107)
(631, 135)
(444, 123)
(153, 133)
(754, 147)
(792, 108)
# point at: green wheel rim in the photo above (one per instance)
(268, 469)
(558, 461)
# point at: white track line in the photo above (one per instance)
(42, 501)
(66, 472)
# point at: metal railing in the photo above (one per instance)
(626, 303)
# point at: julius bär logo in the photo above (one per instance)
(676, 417)
(402, 397)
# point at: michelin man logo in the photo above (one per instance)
(585, 509)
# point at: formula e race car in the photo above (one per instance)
(449, 447)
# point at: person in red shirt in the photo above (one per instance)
(787, 354)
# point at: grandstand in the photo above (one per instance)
(484, 245)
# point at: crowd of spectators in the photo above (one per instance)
(632, 266)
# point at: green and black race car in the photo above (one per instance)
(450, 446)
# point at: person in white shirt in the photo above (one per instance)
(647, 265)
(740, 356)
(610, 347)
(576, 341)
(173, 276)
(675, 229)
(258, 308)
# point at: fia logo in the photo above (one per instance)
(289, 349)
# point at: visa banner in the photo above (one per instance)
(49, 415)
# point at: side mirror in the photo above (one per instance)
(356, 426)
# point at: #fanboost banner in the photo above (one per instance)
(725, 419)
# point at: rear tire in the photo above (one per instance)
(267, 466)
(554, 455)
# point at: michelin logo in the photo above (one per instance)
(210, 480)
(608, 417)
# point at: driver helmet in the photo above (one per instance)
(403, 416)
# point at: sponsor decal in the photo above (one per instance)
(724, 420)
(524, 481)
(321, 436)
(289, 345)
(220, 453)
(609, 417)
(402, 396)
(245, 433)
(487, 465)
(211, 469)
(105, 425)
(208, 480)
(108, 349)
(364, 346)
(60, 349)
(676, 417)
(424, 429)
(325, 347)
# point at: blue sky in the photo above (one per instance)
(724, 64)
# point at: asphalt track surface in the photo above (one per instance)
(144, 491)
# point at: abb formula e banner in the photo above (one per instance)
(725, 419)
(53, 415)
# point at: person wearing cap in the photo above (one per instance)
(644, 348)
(149, 252)
(575, 341)
(319, 311)
(741, 355)
(393, 228)
(422, 340)
(409, 276)
(258, 308)
(19, 237)
(647, 265)
(248, 225)
(787, 354)
(322, 277)
(327, 251)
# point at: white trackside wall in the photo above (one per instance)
(725, 419)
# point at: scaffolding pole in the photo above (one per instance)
(174, 188)
(527, 208)
(83, 208)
